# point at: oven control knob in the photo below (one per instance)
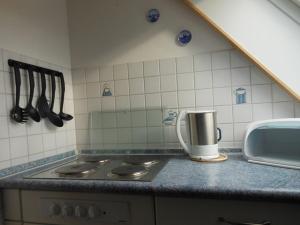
(67, 210)
(54, 209)
(92, 212)
(80, 211)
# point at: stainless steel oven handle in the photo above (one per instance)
(222, 219)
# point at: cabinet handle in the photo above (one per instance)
(222, 219)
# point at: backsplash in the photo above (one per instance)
(21, 143)
(222, 80)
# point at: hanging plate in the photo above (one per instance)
(184, 37)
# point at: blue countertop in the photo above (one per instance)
(181, 177)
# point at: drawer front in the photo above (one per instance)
(178, 211)
(12, 204)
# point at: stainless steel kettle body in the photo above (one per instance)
(203, 134)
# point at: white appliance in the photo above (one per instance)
(202, 133)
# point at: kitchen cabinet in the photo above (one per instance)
(183, 211)
(11, 205)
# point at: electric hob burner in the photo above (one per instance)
(76, 169)
(143, 161)
(133, 171)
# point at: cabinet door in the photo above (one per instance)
(179, 211)
(11, 204)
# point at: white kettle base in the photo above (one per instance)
(205, 152)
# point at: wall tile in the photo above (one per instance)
(154, 118)
(283, 110)
(35, 144)
(137, 101)
(186, 99)
(222, 96)
(224, 114)
(242, 113)
(227, 131)
(82, 137)
(261, 93)
(1, 59)
(169, 100)
(78, 76)
(106, 73)
(152, 84)
(220, 60)
(167, 66)
(238, 60)
(138, 118)
(122, 103)
(93, 90)
(279, 95)
(151, 68)
(221, 78)
(18, 147)
(185, 81)
(124, 135)
(80, 106)
(262, 111)
(3, 127)
(154, 134)
(139, 135)
(92, 75)
(5, 151)
(2, 84)
(49, 141)
(79, 91)
(108, 104)
(3, 109)
(239, 131)
(258, 77)
(110, 136)
(121, 87)
(170, 134)
(153, 101)
(240, 76)
(94, 104)
(120, 72)
(184, 64)
(135, 70)
(16, 129)
(109, 120)
(203, 80)
(136, 86)
(204, 97)
(168, 83)
(202, 62)
(82, 121)
(123, 119)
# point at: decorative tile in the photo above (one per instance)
(202, 62)
(152, 84)
(240, 76)
(220, 60)
(184, 64)
(168, 83)
(221, 78)
(167, 66)
(185, 81)
(120, 72)
(107, 88)
(203, 80)
(204, 97)
(241, 94)
(136, 70)
(151, 68)
(136, 86)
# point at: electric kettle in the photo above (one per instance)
(202, 132)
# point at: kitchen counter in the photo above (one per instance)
(181, 177)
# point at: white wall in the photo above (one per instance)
(37, 28)
(264, 32)
(110, 32)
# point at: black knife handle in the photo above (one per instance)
(31, 85)
(17, 82)
(62, 98)
(53, 89)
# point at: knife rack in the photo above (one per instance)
(38, 69)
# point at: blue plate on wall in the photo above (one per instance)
(153, 15)
(184, 37)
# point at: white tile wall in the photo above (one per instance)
(22, 143)
(203, 81)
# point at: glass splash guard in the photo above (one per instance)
(138, 129)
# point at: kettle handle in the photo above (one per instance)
(178, 131)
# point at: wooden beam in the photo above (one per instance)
(266, 70)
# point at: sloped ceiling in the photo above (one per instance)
(261, 31)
